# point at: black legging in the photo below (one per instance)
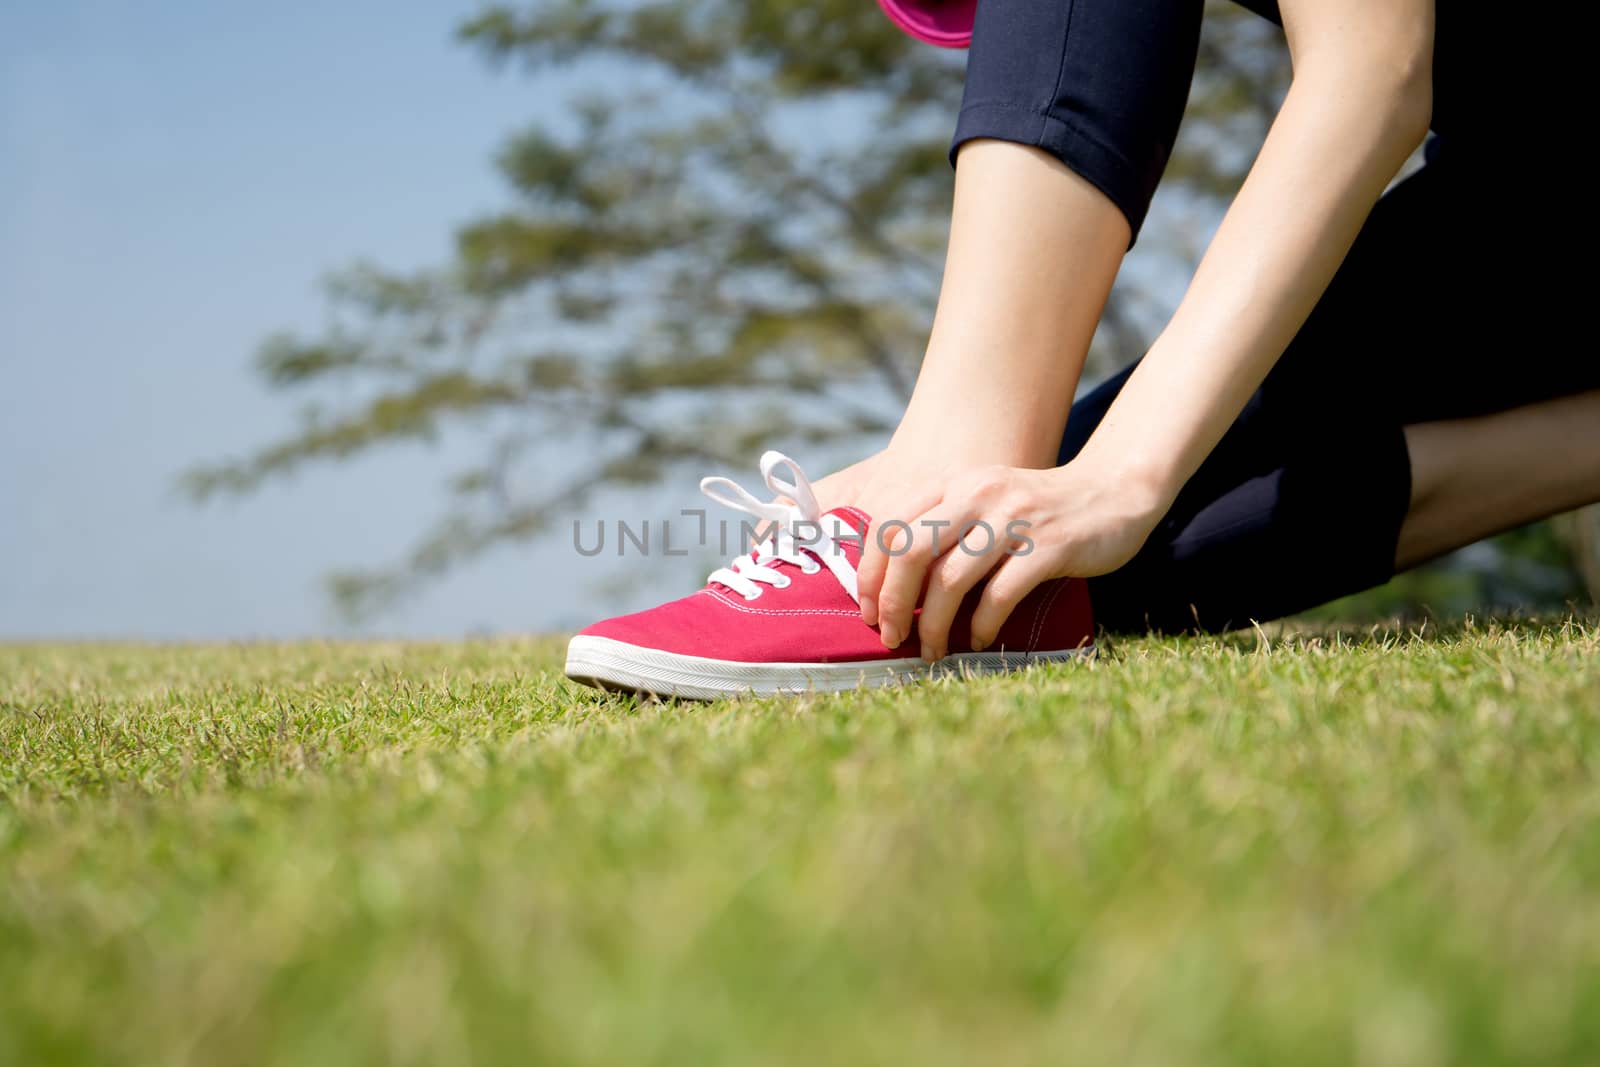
(1303, 499)
(1453, 303)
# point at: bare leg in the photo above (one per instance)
(1471, 478)
(1033, 252)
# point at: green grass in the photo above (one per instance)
(1376, 847)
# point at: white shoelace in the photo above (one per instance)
(815, 548)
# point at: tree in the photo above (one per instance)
(727, 233)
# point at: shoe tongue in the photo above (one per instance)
(851, 523)
(848, 524)
(854, 518)
(857, 523)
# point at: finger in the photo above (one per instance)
(888, 535)
(931, 536)
(951, 578)
(905, 561)
(1012, 580)
(881, 539)
(888, 515)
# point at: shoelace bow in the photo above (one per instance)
(820, 548)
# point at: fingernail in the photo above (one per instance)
(978, 645)
(891, 636)
(927, 653)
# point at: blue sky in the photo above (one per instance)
(174, 180)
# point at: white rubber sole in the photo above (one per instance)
(610, 664)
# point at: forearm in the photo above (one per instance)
(1336, 143)
(1033, 251)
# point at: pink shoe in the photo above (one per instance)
(785, 618)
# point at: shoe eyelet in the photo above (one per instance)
(810, 567)
(787, 581)
(753, 596)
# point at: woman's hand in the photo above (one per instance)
(1079, 520)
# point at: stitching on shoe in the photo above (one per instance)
(1039, 616)
(866, 520)
(778, 611)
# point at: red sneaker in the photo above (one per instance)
(785, 618)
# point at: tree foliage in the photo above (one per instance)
(725, 230)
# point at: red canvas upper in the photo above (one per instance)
(813, 620)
